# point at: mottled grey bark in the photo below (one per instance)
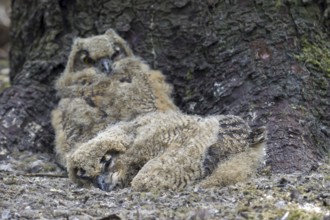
(263, 60)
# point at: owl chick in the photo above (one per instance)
(116, 126)
(94, 95)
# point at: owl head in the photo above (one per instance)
(100, 51)
(104, 69)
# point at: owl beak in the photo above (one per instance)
(106, 66)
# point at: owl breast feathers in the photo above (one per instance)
(117, 126)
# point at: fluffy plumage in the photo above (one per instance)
(117, 126)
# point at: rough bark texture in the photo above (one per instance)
(263, 60)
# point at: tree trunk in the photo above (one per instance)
(263, 60)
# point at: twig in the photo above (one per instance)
(55, 175)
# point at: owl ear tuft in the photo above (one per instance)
(110, 32)
(77, 41)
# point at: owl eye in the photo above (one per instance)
(87, 60)
(119, 53)
(116, 54)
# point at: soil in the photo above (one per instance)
(32, 186)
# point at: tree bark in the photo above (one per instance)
(266, 61)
